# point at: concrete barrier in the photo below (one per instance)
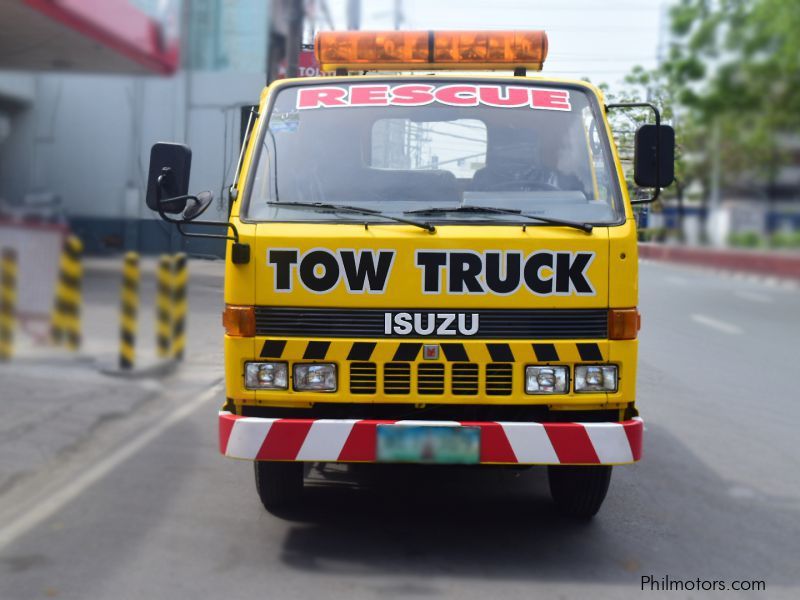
(785, 265)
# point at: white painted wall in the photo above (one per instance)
(87, 138)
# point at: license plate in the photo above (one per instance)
(435, 444)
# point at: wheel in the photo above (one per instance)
(279, 484)
(579, 491)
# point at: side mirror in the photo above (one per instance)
(168, 193)
(654, 156)
(168, 178)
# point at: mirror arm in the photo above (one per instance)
(234, 238)
(240, 253)
(168, 219)
(159, 199)
(657, 114)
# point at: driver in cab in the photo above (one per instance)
(516, 162)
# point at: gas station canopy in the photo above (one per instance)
(90, 36)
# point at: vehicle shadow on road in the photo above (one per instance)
(670, 514)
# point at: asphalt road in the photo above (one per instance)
(716, 497)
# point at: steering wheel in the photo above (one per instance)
(531, 179)
(524, 185)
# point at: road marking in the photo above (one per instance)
(55, 502)
(753, 297)
(718, 325)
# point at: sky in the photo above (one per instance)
(598, 39)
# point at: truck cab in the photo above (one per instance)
(429, 266)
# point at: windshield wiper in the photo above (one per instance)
(355, 209)
(434, 210)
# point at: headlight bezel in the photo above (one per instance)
(609, 372)
(251, 369)
(308, 366)
(558, 369)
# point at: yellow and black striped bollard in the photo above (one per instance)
(65, 324)
(129, 308)
(164, 306)
(8, 302)
(179, 305)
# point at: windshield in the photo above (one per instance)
(443, 149)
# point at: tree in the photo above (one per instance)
(730, 85)
(735, 65)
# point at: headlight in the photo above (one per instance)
(318, 377)
(596, 378)
(266, 376)
(546, 380)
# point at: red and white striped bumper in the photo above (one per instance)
(354, 440)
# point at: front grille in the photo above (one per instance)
(465, 379)
(499, 379)
(363, 378)
(430, 379)
(397, 378)
(533, 324)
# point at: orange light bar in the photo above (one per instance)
(239, 321)
(623, 323)
(409, 50)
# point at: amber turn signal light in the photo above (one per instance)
(623, 323)
(239, 321)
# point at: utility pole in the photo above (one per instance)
(679, 192)
(294, 39)
(354, 14)
(285, 39)
(398, 14)
(326, 14)
(714, 215)
(276, 40)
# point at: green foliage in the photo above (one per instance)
(751, 239)
(748, 239)
(785, 240)
(732, 66)
(658, 234)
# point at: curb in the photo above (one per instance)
(159, 369)
(770, 264)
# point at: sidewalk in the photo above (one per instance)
(780, 264)
(55, 401)
(51, 406)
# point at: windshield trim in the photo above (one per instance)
(258, 140)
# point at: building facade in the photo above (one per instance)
(80, 143)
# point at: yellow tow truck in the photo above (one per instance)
(427, 266)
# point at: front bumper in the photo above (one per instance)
(354, 440)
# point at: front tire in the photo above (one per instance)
(279, 484)
(579, 491)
